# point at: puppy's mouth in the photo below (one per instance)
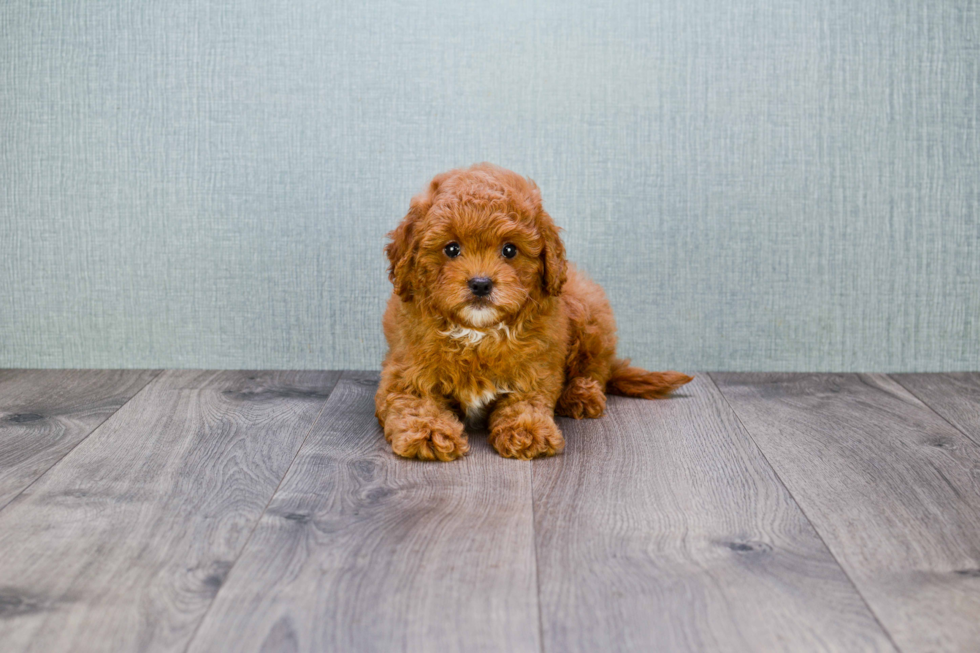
(480, 312)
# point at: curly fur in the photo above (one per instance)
(543, 343)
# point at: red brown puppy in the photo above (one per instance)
(487, 315)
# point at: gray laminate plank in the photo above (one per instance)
(662, 528)
(363, 551)
(45, 413)
(893, 489)
(123, 544)
(955, 396)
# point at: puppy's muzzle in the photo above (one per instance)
(480, 286)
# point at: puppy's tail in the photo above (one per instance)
(634, 382)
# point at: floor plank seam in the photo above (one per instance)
(803, 512)
(151, 380)
(537, 568)
(937, 413)
(258, 520)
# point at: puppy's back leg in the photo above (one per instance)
(582, 396)
(592, 368)
(591, 352)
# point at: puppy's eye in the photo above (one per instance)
(451, 250)
(509, 251)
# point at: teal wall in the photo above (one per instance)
(759, 184)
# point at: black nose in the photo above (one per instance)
(481, 286)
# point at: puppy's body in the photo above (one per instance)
(540, 341)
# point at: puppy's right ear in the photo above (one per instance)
(552, 255)
(403, 248)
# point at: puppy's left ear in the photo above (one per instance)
(552, 255)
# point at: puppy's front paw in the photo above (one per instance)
(582, 397)
(526, 436)
(435, 438)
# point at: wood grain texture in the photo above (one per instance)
(363, 551)
(893, 489)
(956, 397)
(662, 528)
(45, 413)
(123, 544)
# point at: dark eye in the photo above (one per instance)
(509, 251)
(451, 250)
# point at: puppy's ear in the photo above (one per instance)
(402, 249)
(552, 255)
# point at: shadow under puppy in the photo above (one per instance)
(486, 315)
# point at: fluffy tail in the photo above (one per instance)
(634, 382)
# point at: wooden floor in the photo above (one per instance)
(263, 511)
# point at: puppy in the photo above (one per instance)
(487, 317)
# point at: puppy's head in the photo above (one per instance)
(476, 247)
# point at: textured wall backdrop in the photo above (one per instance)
(759, 184)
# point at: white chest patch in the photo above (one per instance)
(476, 405)
(473, 336)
